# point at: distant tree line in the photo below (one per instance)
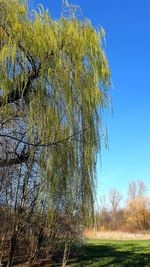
(132, 216)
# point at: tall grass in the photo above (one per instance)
(116, 235)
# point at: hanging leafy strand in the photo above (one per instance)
(57, 72)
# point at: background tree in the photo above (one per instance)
(114, 199)
(136, 189)
(137, 213)
(54, 86)
(103, 216)
(137, 210)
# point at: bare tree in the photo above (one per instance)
(114, 199)
(141, 188)
(103, 217)
(132, 189)
(136, 189)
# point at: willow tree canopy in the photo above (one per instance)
(54, 85)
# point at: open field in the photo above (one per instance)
(111, 253)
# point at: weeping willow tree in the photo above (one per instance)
(54, 86)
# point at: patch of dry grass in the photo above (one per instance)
(117, 235)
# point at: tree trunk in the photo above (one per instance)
(2, 248)
(12, 249)
(66, 254)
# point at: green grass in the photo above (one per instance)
(97, 253)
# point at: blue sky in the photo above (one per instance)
(127, 26)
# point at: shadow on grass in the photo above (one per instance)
(111, 255)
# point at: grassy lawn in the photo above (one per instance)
(97, 253)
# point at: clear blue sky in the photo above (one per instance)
(127, 25)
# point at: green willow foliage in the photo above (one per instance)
(54, 75)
